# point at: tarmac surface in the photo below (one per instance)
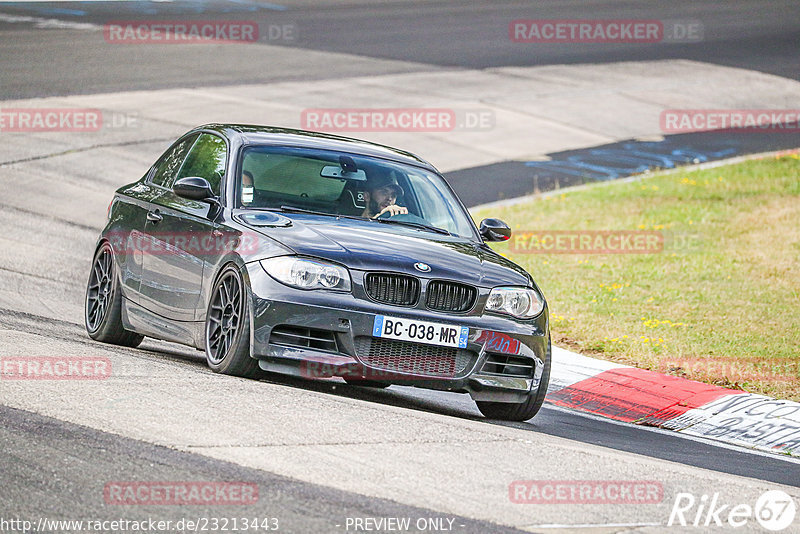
(321, 452)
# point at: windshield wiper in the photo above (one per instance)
(292, 209)
(415, 225)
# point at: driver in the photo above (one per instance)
(381, 196)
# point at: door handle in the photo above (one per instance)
(216, 233)
(154, 216)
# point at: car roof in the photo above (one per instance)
(272, 135)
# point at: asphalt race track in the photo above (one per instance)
(324, 453)
(412, 35)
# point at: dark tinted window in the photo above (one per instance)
(206, 160)
(317, 180)
(171, 161)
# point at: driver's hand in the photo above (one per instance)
(393, 210)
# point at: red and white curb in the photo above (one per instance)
(633, 395)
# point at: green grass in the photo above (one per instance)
(720, 303)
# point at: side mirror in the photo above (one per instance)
(193, 188)
(494, 230)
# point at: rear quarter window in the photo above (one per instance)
(207, 159)
(170, 162)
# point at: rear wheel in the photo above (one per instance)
(103, 303)
(227, 328)
(520, 411)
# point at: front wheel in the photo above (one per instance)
(521, 411)
(103, 304)
(227, 328)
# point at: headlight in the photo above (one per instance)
(520, 302)
(303, 273)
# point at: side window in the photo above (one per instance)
(171, 161)
(207, 160)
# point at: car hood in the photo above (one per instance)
(372, 246)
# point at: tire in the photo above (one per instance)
(366, 383)
(227, 329)
(102, 310)
(520, 411)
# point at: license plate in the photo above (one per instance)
(445, 335)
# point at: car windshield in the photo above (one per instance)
(335, 183)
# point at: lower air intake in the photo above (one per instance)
(505, 365)
(302, 337)
(403, 357)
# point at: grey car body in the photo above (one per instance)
(180, 248)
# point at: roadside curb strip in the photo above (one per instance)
(643, 397)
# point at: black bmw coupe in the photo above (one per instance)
(319, 256)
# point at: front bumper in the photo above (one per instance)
(321, 334)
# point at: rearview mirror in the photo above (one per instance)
(494, 230)
(332, 171)
(193, 188)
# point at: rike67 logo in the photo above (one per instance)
(774, 510)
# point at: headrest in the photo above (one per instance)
(357, 198)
